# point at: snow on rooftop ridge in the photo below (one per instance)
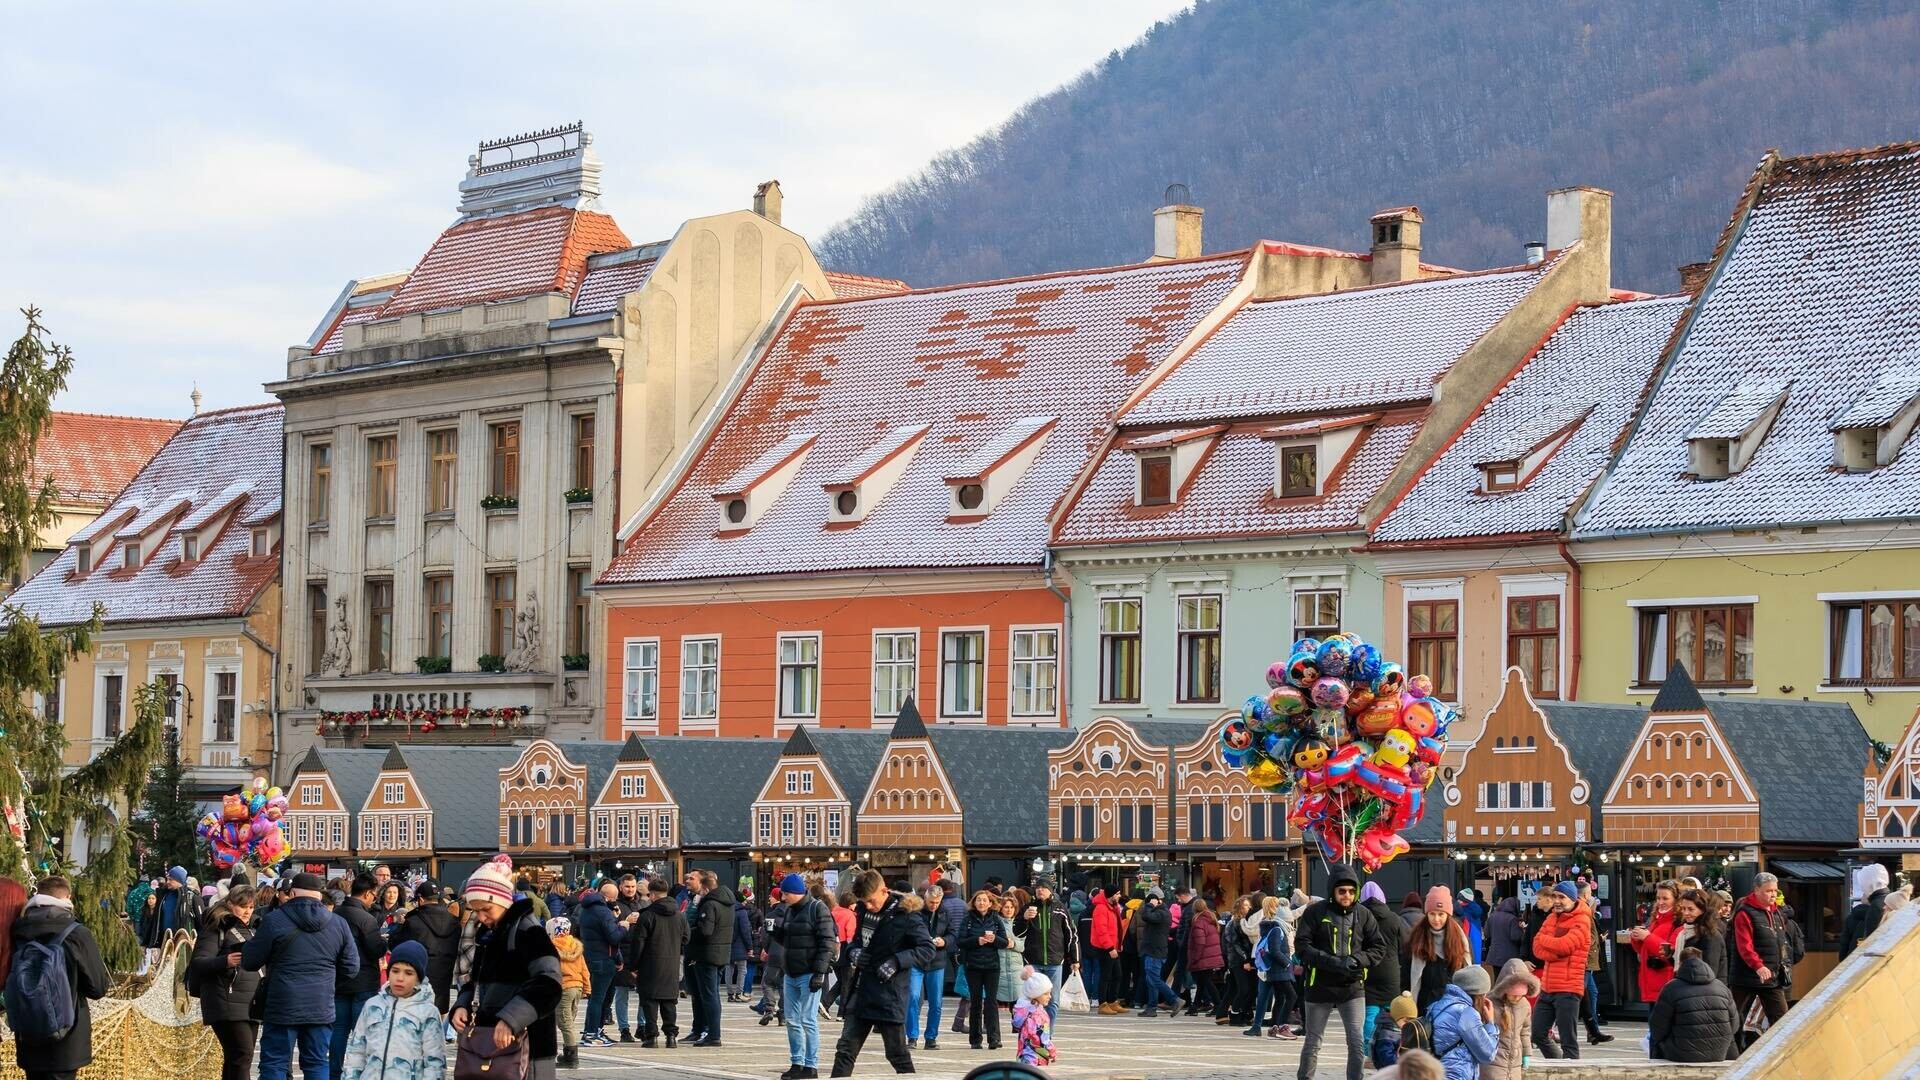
(997, 449)
(769, 460)
(142, 525)
(1891, 394)
(214, 507)
(1737, 412)
(891, 442)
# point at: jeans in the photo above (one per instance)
(1353, 1017)
(236, 1047)
(620, 1014)
(1262, 999)
(346, 1011)
(1090, 971)
(803, 1020)
(276, 1050)
(924, 986)
(1373, 1021)
(600, 972)
(1592, 1000)
(854, 1035)
(740, 975)
(704, 989)
(983, 1012)
(1054, 973)
(1156, 987)
(1557, 1010)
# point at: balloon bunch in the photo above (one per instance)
(1357, 739)
(247, 827)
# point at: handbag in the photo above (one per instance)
(479, 1059)
(960, 983)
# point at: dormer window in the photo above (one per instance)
(130, 554)
(1725, 441)
(857, 487)
(82, 559)
(190, 548)
(749, 493)
(1870, 433)
(1307, 453)
(261, 544)
(1520, 452)
(1498, 476)
(994, 467)
(1166, 460)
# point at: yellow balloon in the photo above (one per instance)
(1266, 773)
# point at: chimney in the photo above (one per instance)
(1693, 277)
(1396, 244)
(195, 396)
(766, 201)
(554, 167)
(1176, 226)
(1536, 253)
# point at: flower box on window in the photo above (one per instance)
(491, 662)
(499, 502)
(433, 665)
(578, 495)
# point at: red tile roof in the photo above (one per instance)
(206, 458)
(505, 257)
(860, 286)
(967, 361)
(91, 456)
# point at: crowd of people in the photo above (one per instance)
(368, 978)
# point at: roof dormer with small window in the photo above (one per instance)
(93, 540)
(140, 538)
(978, 482)
(1166, 461)
(1520, 454)
(1722, 443)
(857, 487)
(201, 526)
(1308, 454)
(749, 493)
(1870, 433)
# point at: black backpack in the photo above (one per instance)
(39, 990)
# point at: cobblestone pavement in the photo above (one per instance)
(1091, 1048)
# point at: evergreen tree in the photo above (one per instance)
(168, 813)
(42, 805)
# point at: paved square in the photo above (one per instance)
(1091, 1048)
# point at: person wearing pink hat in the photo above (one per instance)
(1436, 948)
(514, 986)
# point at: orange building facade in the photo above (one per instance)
(750, 663)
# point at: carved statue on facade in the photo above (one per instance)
(339, 655)
(526, 636)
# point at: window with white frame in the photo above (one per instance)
(895, 669)
(633, 786)
(1120, 650)
(338, 834)
(666, 828)
(642, 829)
(806, 782)
(1197, 627)
(386, 833)
(1036, 672)
(963, 673)
(799, 676)
(786, 826)
(111, 697)
(310, 795)
(836, 827)
(622, 830)
(1316, 613)
(602, 829)
(811, 824)
(226, 705)
(642, 696)
(763, 826)
(700, 678)
(392, 792)
(793, 781)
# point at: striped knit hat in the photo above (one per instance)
(493, 882)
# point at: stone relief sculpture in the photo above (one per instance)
(526, 636)
(339, 655)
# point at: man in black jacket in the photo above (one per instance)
(655, 944)
(808, 942)
(48, 915)
(433, 928)
(601, 934)
(1053, 939)
(353, 991)
(1693, 1019)
(891, 941)
(1153, 929)
(709, 948)
(1338, 941)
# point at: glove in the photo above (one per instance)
(888, 969)
(818, 982)
(1353, 965)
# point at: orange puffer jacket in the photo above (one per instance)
(1562, 947)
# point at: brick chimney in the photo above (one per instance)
(766, 201)
(1176, 226)
(1693, 277)
(1396, 244)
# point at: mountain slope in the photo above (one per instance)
(1296, 119)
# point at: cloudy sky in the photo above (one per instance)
(184, 188)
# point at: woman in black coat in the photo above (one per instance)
(515, 979)
(226, 989)
(1694, 1018)
(982, 937)
(1701, 928)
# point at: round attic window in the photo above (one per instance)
(541, 774)
(736, 510)
(846, 502)
(971, 496)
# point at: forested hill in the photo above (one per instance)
(1296, 119)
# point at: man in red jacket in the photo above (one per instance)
(1562, 951)
(1103, 951)
(1759, 951)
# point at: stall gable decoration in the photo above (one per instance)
(1890, 814)
(1681, 782)
(1216, 803)
(801, 804)
(635, 810)
(1517, 785)
(542, 800)
(910, 802)
(395, 816)
(1105, 787)
(316, 818)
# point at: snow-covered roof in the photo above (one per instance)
(612, 276)
(214, 451)
(967, 361)
(1592, 369)
(1815, 285)
(505, 257)
(1379, 345)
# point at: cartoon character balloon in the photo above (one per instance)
(1354, 736)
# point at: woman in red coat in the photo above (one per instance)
(1205, 961)
(1654, 942)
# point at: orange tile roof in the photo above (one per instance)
(91, 456)
(860, 286)
(506, 257)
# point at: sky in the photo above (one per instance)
(185, 188)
